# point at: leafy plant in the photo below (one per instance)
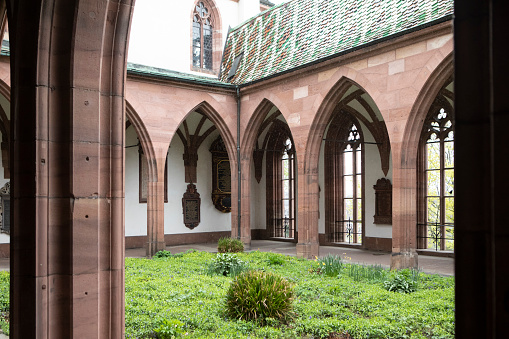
(258, 295)
(230, 245)
(163, 254)
(275, 259)
(169, 329)
(329, 265)
(403, 281)
(227, 264)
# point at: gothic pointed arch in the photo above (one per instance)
(206, 37)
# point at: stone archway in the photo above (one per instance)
(405, 174)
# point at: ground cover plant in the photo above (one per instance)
(177, 296)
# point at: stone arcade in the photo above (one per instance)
(70, 96)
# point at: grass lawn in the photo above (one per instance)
(176, 293)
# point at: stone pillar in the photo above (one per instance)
(67, 251)
(404, 210)
(307, 207)
(481, 167)
(245, 225)
(155, 207)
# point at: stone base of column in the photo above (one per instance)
(247, 243)
(308, 250)
(154, 247)
(404, 259)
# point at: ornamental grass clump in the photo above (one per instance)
(258, 295)
(230, 245)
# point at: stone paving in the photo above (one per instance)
(428, 264)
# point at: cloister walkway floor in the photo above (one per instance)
(428, 264)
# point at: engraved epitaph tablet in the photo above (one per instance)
(221, 177)
(191, 207)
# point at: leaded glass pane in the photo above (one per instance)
(207, 47)
(449, 238)
(286, 208)
(433, 205)
(286, 189)
(348, 186)
(449, 182)
(449, 154)
(433, 182)
(449, 210)
(359, 210)
(433, 155)
(359, 185)
(358, 161)
(348, 212)
(348, 162)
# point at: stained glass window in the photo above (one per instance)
(202, 37)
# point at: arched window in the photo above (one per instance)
(435, 229)
(280, 187)
(352, 187)
(288, 190)
(344, 183)
(202, 37)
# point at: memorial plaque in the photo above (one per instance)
(221, 177)
(383, 202)
(191, 207)
(224, 176)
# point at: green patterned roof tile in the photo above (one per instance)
(299, 32)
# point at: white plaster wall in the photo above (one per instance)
(212, 220)
(161, 30)
(258, 214)
(373, 172)
(135, 213)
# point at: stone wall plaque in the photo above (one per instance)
(221, 177)
(191, 207)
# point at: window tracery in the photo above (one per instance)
(436, 221)
(344, 188)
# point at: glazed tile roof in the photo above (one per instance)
(137, 69)
(299, 32)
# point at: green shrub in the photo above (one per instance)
(403, 281)
(169, 329)
(227, 264)
(329, 265)
(258, 295)
(230, 245)
(275, 259)
(163, 254)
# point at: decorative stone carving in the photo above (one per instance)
(383, 202)
(221, 177)
(191, 202)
